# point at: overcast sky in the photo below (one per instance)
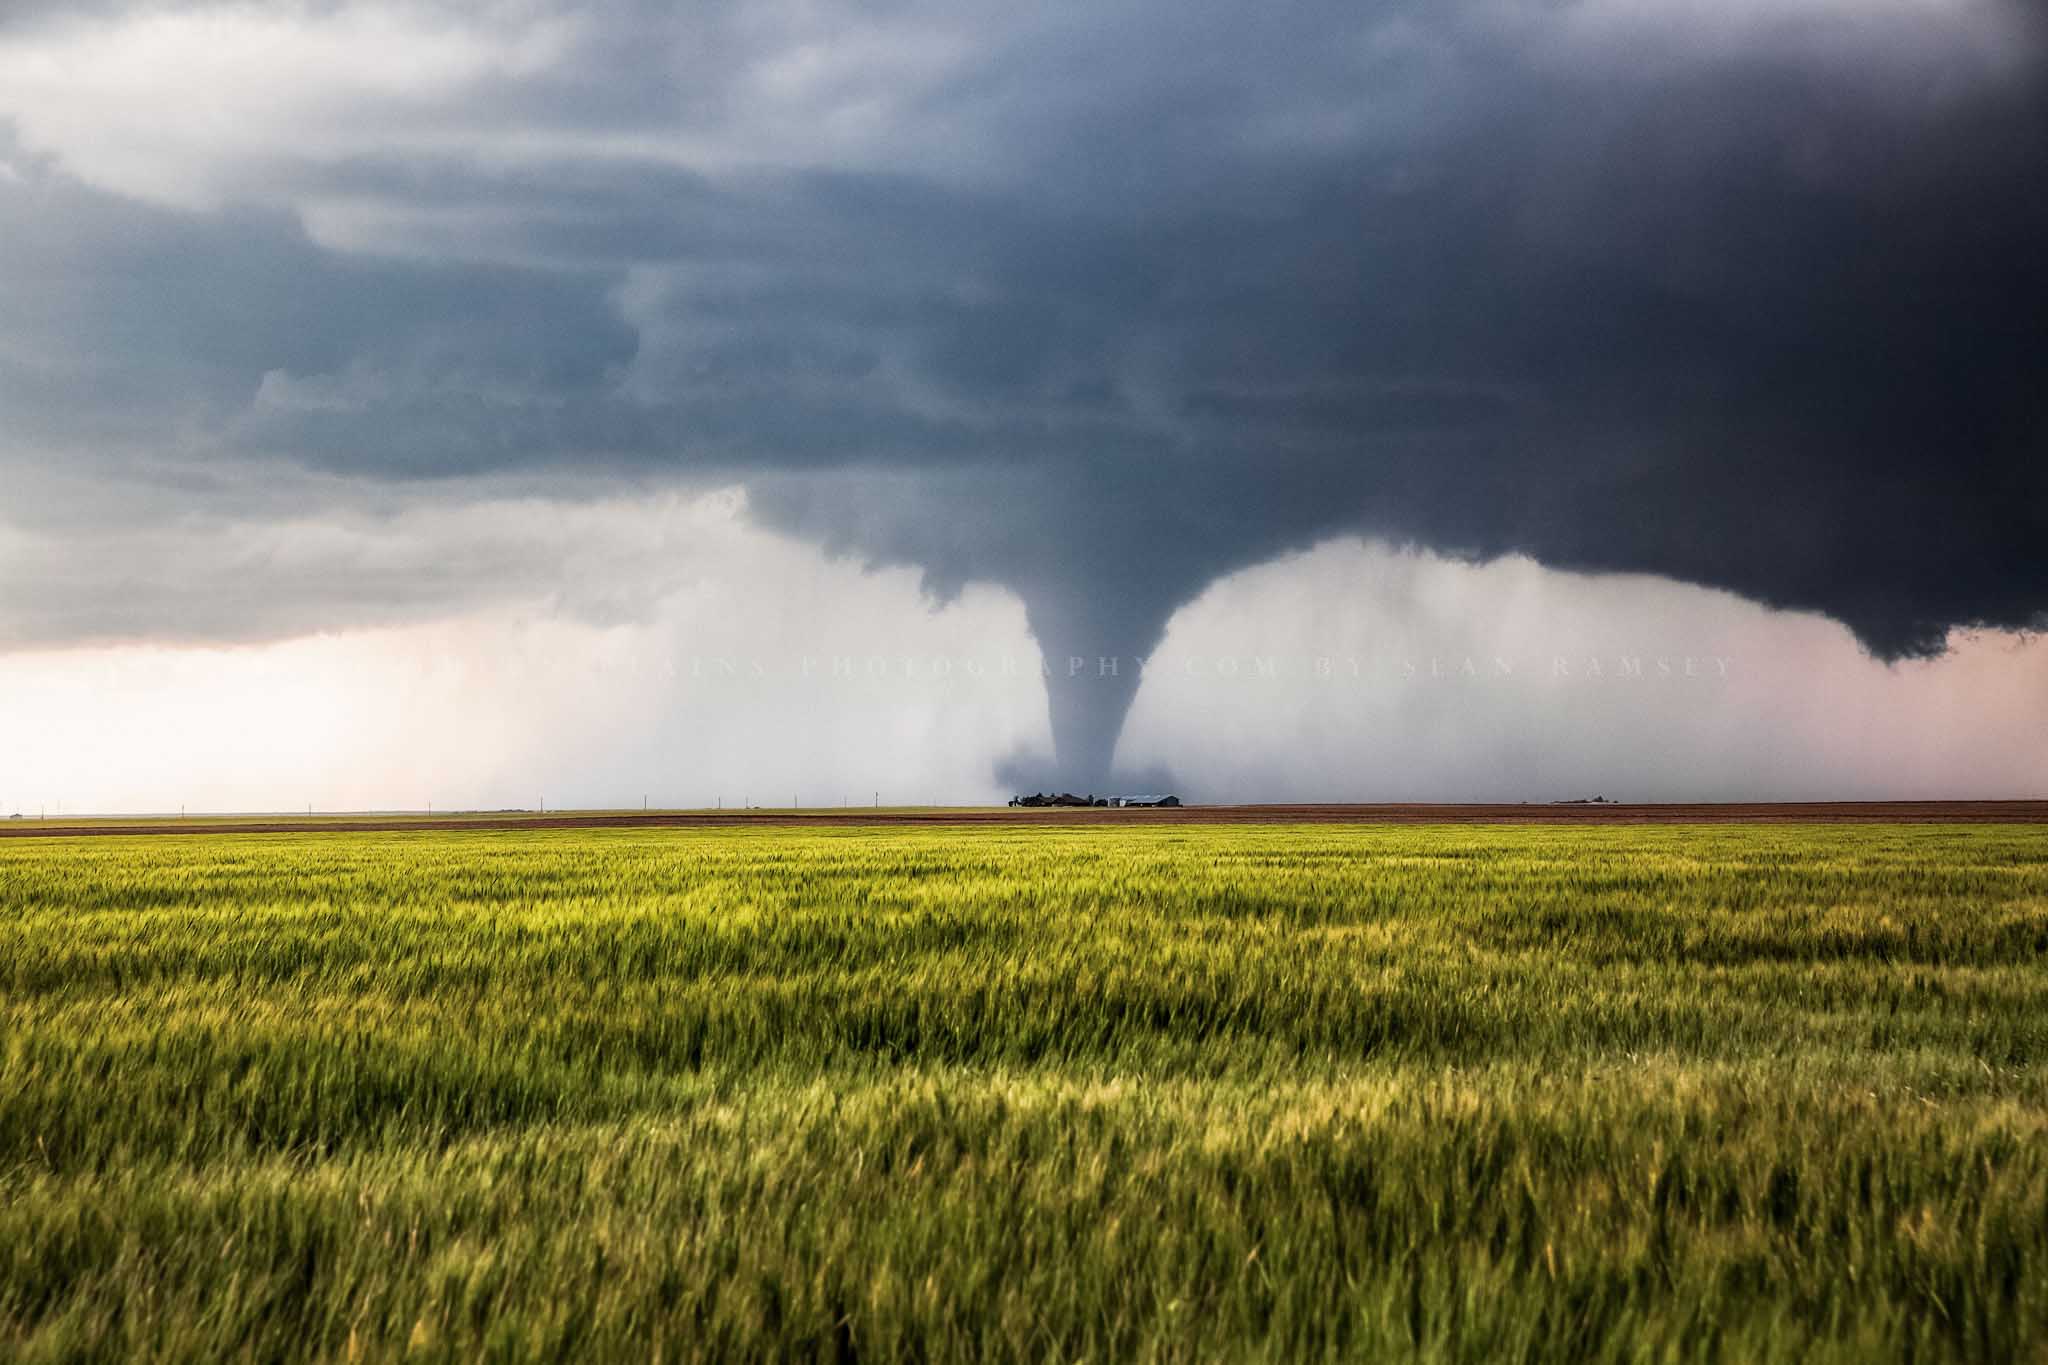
(416, 401)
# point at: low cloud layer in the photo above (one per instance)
(1095, 302)
(672, 652)
(1356, 671)
(756, 671)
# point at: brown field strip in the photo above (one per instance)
(1799, 812)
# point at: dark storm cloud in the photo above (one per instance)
(124, 322)
(1135, 295)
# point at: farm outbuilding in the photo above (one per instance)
(1069, 799)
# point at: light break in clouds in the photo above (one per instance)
(1354, 671)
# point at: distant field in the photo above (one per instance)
(1044, 1092)
(1324, 813)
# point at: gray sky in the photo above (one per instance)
(1000, 331)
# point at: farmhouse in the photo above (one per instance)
(1069, 799)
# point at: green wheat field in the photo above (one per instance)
(1089, 1093)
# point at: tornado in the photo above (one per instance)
(1094, 639)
